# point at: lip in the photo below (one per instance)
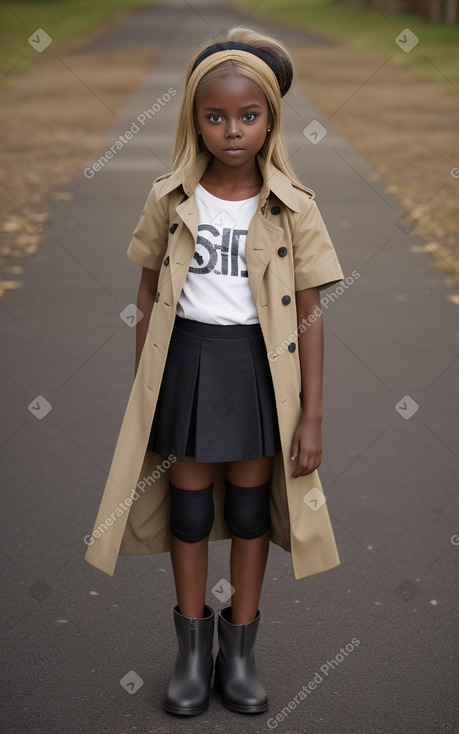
(233, 150)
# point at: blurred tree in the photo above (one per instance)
(438, 10)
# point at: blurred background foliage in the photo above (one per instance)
(373, 27)
(68, 22)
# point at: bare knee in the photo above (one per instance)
(249, 473)
(190, 474)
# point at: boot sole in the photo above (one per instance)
(178, 711)
(244, 709)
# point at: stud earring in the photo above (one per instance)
(268, 130)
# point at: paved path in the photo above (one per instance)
(70, 633)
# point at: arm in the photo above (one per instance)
(307, 440)
(145, 302)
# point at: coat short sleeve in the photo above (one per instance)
(315, 260)
(149, 241)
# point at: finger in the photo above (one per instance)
(304, 460)
(311, 464)
(301, 469)
(297, 472)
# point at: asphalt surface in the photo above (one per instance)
(71, 633)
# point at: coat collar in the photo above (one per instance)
(273, 180)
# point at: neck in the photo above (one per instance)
(245, 175)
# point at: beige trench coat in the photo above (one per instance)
(133, 516)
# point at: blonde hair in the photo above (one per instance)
(239, 63)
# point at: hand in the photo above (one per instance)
(307, 447)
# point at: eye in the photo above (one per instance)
(252, 115)
(212, 118)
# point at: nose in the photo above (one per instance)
(232, 129)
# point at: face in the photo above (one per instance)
(232, 117)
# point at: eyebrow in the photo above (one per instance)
(245, 107)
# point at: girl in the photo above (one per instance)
(229, 362)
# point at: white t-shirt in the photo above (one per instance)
(217, 288)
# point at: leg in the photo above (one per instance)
(190, 560)
(247, 514)
(248, 556)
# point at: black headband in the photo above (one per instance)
(235, 45)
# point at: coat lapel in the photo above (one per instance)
(189, 214)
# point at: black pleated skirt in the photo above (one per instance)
(216, 401)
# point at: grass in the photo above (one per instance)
(67, 22)
(436, 55)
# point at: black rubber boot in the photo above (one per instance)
(235, 674)
(188, 689)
